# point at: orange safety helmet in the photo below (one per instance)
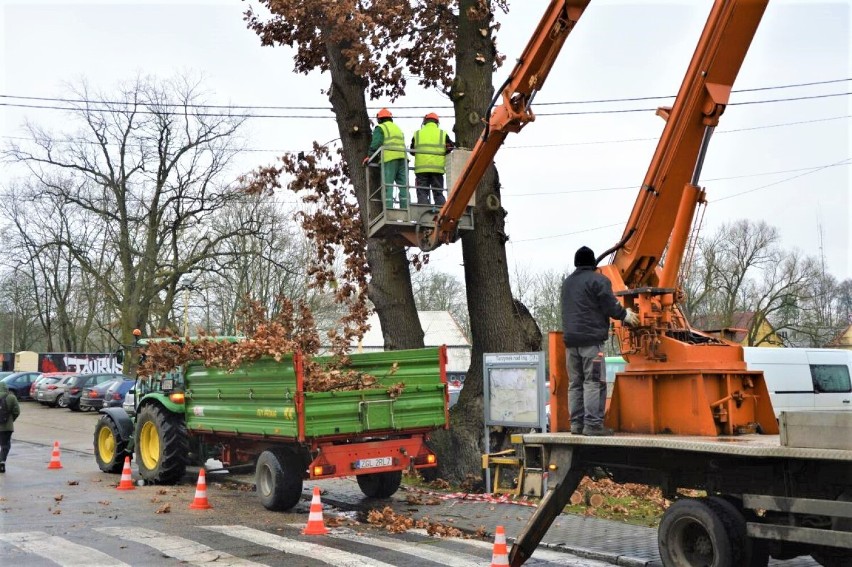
(384, 113)
(431, 116)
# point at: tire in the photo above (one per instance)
(110, 448)
(747, 551)
(692, 534)
(278, 477)
(162, 445)
(61, 401)
(833, 556)
(75, 407)
(379, 485)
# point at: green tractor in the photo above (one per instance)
(156, 432)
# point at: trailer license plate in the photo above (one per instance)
(374, 463)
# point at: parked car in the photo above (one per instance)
(114, 397)
(4, 374)
(51, 392)
(83, 381)
(46, 378)
(92, 397)
(19, 383)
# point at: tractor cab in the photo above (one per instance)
(409, 220)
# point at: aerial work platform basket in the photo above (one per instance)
(409, 224)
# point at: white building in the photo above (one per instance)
(439, 328)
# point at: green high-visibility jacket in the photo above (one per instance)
(430, 143)
(394, 141)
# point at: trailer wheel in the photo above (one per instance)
(379, 485)
(110, 447)
(279, 480)
(747, 551)
(692, 534)
(162, 445)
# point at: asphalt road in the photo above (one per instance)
(76, 516)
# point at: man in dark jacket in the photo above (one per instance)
(11, 410)
(587, 306)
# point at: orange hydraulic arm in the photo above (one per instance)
(664, 209)
(517, 92)
(677, 379)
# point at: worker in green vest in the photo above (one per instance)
(431, 146)
(394, 157)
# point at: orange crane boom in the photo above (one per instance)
(677, 379)
(517, 93)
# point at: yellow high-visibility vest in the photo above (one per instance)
(431, 145)
(394, 143)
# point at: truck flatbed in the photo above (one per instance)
(742, 445)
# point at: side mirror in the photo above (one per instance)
(119, 356)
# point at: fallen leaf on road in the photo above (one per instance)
(164, 509)
(73, 482)
(59, 497)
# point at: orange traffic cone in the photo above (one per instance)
(126, 477)
(200, 502)
(315, 524)
(500, 557)
(54, 457)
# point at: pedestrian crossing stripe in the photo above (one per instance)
(448, 558)
(69, 554)
(60, 550)
(182, 549)
(315, 551)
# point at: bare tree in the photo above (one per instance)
(140, 178)
(439, 291)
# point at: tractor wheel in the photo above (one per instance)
(110, 448)
(379, 485)
(279, 480)
(162, 445)
(692, 534)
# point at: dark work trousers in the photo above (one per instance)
(5, 444)
(426, 180)
(586, 386)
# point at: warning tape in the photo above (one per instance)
(468, 497)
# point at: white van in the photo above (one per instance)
(814, 379)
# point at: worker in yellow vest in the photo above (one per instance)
(431, 145)
(394, 157)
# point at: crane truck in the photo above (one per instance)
(687, 411)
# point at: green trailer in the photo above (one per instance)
(261, 416)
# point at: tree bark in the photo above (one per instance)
(498, 323)
(390, 277)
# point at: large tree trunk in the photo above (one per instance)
(498, 323)
(390, 279)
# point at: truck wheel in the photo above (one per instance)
(835, 556)
(109, 446)
(162, 445)
(747, 551)
(379, 485)
(279, 480)
(692, 534)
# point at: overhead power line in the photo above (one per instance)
(274, 107)
(846, 161)
(512, 147)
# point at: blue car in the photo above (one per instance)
(19, 383)
(114, 397)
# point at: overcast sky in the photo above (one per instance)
(568, 179)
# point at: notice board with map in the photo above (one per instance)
(514, 389)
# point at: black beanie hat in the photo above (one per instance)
(584, 257)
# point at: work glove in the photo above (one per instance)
(631, 319)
